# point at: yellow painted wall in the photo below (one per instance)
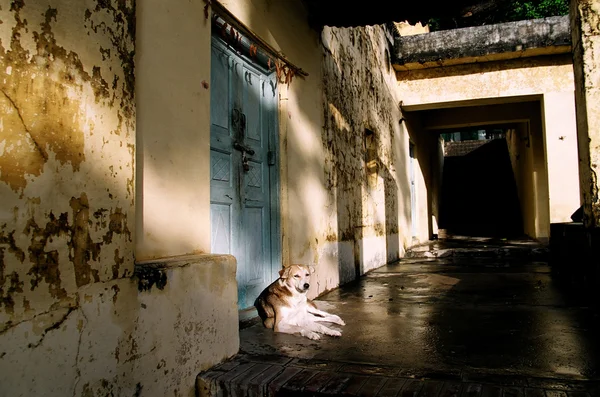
(172, 61)
(561, 153)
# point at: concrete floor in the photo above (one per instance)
(455, 307)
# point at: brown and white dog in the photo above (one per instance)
(284, 307)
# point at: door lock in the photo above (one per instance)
(245, 164)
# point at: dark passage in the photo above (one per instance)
(479, 193)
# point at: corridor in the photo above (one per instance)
(479, 317)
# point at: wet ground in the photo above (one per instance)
(455, 309)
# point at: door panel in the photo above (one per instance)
(242, 181)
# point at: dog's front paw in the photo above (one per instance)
(334, 333)
(310, 335)
(339, 321)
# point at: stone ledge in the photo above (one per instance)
(153, 272)
(184, 260)
(538, 37)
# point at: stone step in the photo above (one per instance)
(249, 376)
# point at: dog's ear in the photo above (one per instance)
(285, 272)
(311, 269)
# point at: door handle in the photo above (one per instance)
(243, 149)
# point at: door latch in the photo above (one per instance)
(243, 149)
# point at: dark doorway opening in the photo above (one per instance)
(479, 195)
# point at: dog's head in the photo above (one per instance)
(297, 277)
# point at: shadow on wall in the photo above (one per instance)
(479, 194)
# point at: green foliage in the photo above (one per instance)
(491, 12)
(521, 9)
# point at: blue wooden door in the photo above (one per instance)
(243, 169)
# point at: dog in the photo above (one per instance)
(284, 307)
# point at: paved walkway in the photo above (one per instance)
(457, 317)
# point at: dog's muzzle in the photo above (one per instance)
(306, 286)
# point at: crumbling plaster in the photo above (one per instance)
(67, 158)
(366, 150)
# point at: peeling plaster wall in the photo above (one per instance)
(67, 151)
(145, 336)
(76, 316)
(585, 22)
(67, 131)
(366, 151)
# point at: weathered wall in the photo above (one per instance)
(146, 336)
(585, 22)
(73, 318)
(517, 39)
(67, 151)
(366, 151)
(66, 183)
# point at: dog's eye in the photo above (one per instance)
(296, 276)
(307, 274)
